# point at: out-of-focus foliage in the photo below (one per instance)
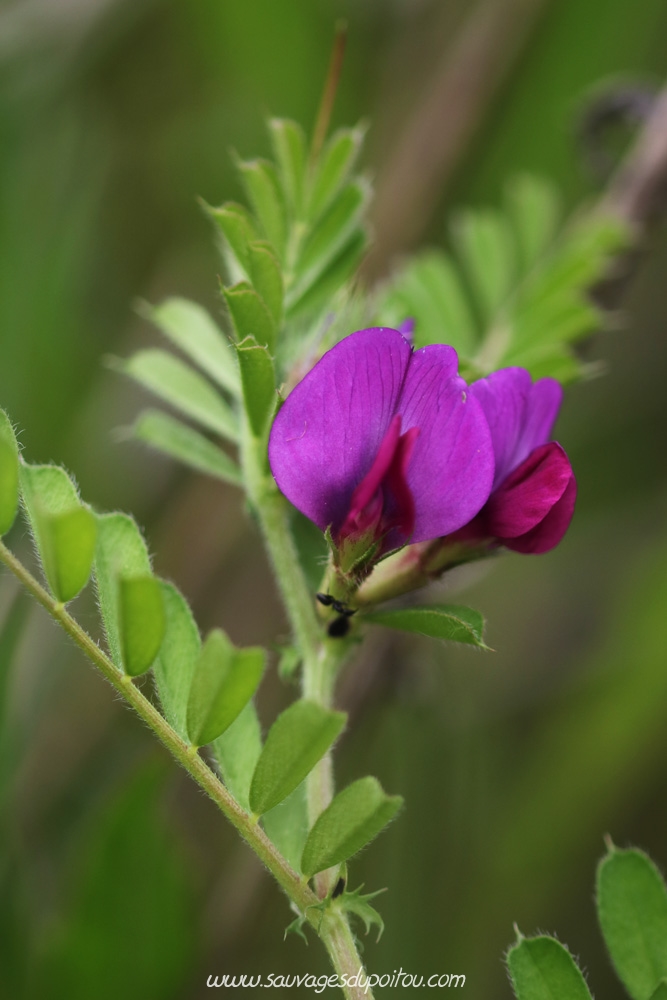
(126, 929)
(115, 116)
(517, 291)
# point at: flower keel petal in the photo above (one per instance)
(529, 493)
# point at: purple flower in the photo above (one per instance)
(534, 489)
(380, 443)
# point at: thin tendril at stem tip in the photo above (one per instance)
(328, 99)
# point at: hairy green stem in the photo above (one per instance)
(253, 834)
(339, 942)
(334, 930)
(318, 680)
(322, 660)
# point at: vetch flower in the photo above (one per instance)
(534, 489)
(382, 444)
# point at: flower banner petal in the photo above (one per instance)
(451, 469)
(328, 432)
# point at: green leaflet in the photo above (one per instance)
(169, 436)
(289, 147)
(319, 295)
(267, 279)
(263, 191)
(64, 529)
(304, 238)
(237, 751)
(354, 818)
(485, 244)
(534, 209)
(9, 474)
(250, 316)
(632, 910)
(192, 330)
(142, 622)
(174, 667)
(542, 969)
(259, 383)
(120, 553)
(516, 289)
(238, 230)
(297, 740)
(287, 825)
(224, 681)
(336, 163)
(453, 622)
(429, 290)
(336, 229)
(184, 389)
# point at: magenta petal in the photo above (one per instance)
(328, 432)
(451, 468)
(407, 328)
(372, 481)
(529, 493)
(549, 532)
(399, 504)
(521, 414)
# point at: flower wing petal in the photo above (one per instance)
(451, 469)
(328, 432)
(521, 414)
(542, 406)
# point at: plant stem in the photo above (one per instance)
(339, 942)
(297, 598)
(251, 832)
(322, 660)
(317, 684)
(335, 931)
(322, 657)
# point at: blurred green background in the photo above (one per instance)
(117, 878)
